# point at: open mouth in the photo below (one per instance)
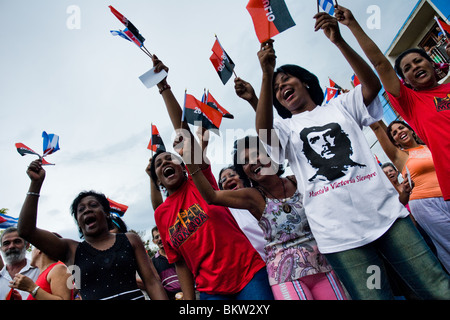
(420, 74)
(232, 186)
(403, 136)
(89, 221)
(287, 94)
(168, 172)
(257, 170)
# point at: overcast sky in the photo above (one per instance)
(62, 72)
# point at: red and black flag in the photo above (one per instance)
(210, 101)
(24, 150)
(156, 143)
(117, 208)
(222, 62)
(127, 23)
(270, 17)
(196, 111)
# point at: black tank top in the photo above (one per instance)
(108, 274)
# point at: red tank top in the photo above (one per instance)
(42, 282)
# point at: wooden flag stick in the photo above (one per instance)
(318, 8)
(336, 2)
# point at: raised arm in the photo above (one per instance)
(155, 193)
(61, 249)
(264, 110)
(175, 111)
(398, 157)
(381, 64)
(369, 81)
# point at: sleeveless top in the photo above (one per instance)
(291, 250)
(42, 282)
(108, 274)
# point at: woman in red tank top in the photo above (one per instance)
(52, 283)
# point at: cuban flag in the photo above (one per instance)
(51, 143)
(355, 80)
(127, 35)
(330, 93)
(327, 6)
(7, 221)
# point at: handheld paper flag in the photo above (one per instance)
(117, 208)
(210, 101)
(24, 150)
(355, 81)
(327, 6)
(51, 143)
(221, 62)
(330, 93)
(127, 35)
(269, 18)
(7, 221)
(195, 110)
(156, 142)
(335, 85)
(130, 33)
(127, 23)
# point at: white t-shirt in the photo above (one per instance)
(5, 278)
(348, 199)
(249, 225)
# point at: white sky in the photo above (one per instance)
(83, 85)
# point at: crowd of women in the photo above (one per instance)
(257, 234)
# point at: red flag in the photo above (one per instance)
(118, 208)
(270, 17)
(156, 142)
(195, 110)
(210, 101)
(221, 62)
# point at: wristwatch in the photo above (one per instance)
(34, 292)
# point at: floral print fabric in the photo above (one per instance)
(291, 251)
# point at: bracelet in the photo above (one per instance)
(165, 87)
(196, 171)
(33, 194)
(34, 292)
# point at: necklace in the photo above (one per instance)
(286, 206)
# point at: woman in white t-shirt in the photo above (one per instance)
(352, 208)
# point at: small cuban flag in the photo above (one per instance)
(7, 221)
(327, 6)
(51, 143)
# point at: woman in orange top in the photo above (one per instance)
(52, 283)
(426, 202)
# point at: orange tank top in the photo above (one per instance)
(421, 166)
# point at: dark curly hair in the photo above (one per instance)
(314, 90)
(399, 59)
(101, 198)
